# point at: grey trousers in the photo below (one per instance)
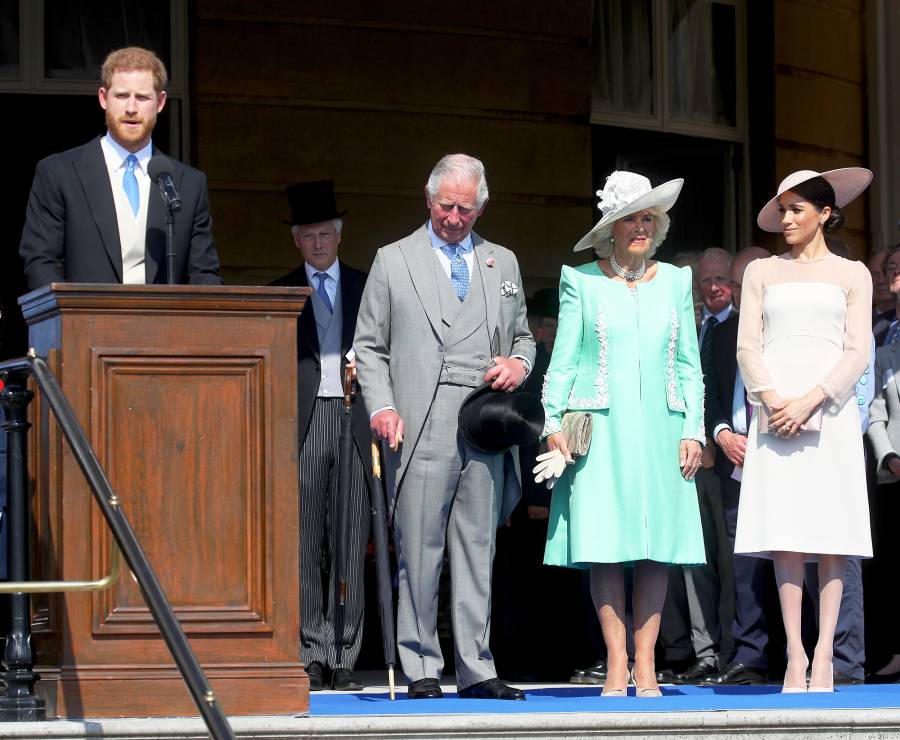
(450, 497)
(318, 499)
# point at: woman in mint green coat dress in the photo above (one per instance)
(626, 351)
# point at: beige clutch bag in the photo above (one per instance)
(812, 424)
(576, 428)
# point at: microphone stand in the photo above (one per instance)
(170, 244)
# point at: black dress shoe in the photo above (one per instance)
(316, 673)
(343, 679)
(424, 688)
(695, 673)
(667, 674)
(843, 679)
(736, 674)
(594, 675)
(879, 678)
(493, 688)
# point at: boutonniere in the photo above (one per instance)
(508, 288)
(489, 262)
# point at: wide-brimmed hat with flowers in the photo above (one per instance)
(848, 183)
(625, 193)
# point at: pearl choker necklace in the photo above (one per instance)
(628, 276)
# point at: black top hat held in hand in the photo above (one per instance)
(493, 421)
(312, 202)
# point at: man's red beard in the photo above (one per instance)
(129, 134)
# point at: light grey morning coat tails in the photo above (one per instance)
(400, 333)
(884, 413)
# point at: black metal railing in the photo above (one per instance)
(19, 702)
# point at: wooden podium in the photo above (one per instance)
(188, 395)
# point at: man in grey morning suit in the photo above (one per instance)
(443, 311)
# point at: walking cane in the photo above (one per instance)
(382, 569)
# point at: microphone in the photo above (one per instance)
(160, 171)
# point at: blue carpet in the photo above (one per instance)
(587, 699)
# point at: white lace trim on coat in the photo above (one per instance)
(600, 400)
(672, 398)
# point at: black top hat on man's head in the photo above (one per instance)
(493, 421)
(312, 202)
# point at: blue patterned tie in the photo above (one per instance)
(130, 184)
(323, 294)
(459, 270)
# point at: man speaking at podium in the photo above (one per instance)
(95, 216)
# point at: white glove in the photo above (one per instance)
(550, 467)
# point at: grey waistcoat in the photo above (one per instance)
(466, 351)
(328, 327)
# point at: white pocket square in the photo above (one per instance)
(508, 288)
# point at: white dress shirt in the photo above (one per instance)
(132, 227)
(720, 317)
(331, 282)
(468, 253)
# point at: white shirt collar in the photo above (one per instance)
(115, 154)
(721, 316)
(334, 272)
(437, 242)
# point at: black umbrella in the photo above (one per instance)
(345, 456)
(382, 568)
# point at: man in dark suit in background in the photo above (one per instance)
(727, 421)
(93, 215)
(707, 587)
(326, 329)
(885, 324)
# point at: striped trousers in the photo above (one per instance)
(318, 580)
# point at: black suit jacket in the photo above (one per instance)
(881, 324)
(720, 385)
(71, 232)
(308, 366)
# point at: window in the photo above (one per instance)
(78, 35)
(669, 99)
(670, 65)
(10, 37)
(56, 47)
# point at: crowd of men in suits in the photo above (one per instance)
(441, 313)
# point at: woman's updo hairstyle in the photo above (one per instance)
(819, 192)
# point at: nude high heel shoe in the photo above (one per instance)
(796, 689)
(613, 693)
(644, 692)
(823, 689)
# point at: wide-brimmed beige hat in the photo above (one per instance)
(628, 192)
(848, 182)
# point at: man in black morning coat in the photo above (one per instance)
(94, 216)
(325, 335)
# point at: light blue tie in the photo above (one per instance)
(130, 184)
(323, 294)
(459, 270)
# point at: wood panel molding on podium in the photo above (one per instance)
(188, 395)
